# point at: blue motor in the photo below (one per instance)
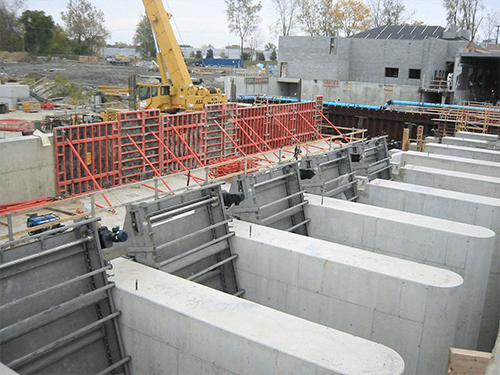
(35, 220)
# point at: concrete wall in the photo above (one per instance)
(452, 163)
(27, 170)
(173, 326)
(446, 204)
(407, 306)
(450, 180)
(464, 249)
(464, 152)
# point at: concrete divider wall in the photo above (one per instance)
(174, 326)
(464, 142)
(452, 163)
(407, 306)
(464, 152)
(450, 180)
(462, 248)
(461, 207)
(27, 170)
(478, 136)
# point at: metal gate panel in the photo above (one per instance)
(185, 234)
(184, 135)
(141, 158)
(273, 197)
(370, 159)
(87, 158)
(57, 310)
(333, 174)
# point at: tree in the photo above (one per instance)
(464, 14)
(243, 19)
(389, 12)
(37, 30)
(260, 56)
(210, 53)
(59, 44)
(143, 38)
(351, 16)
(10, 29)
(316, 17)
(271, 47)
(489, 26)
(287, 21)
(84, 25)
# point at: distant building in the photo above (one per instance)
(415, 63)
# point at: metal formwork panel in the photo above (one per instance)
(333, 174)
(58, 315)
(141, 156)
(253, 129)
(273, 197)
(87, 157)
(370, 159)
(184, 136)
(221, 136)
(186, 234)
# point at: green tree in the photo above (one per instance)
(351, 17)
(10, 29)
(271, 47)
(84, 25)
(316, 17)
(210, 53)
(59, 44)
(37, 30)
(243, 19)
(260, 56)
(143, 38)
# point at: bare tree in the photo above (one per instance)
(287, 20)
(490, 25)
(84, 25)
(243, 19)
(389, 12)
(464, 14)
(316, 17)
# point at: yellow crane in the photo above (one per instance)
(182, 94)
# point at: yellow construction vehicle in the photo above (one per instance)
(181, 94)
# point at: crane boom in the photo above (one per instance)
(169, 50)
(181, 94)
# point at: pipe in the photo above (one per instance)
(433, 105)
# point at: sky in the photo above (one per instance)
(203, 22)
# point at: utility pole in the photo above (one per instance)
(498, 27)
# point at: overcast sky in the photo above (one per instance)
(199, 22)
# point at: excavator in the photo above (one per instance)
(181, 95)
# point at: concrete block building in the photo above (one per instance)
(414, 63)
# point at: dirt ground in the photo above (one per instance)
(91, 75)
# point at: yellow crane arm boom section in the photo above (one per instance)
(169, 50)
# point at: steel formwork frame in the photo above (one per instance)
(147, 143)
(87, 148)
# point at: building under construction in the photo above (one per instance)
(253, 239)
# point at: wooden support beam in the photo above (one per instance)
(467, 362)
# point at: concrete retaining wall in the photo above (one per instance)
(173, 326)
(464, 142)
(450, 180)
(452, 163)
(446, 204)
(407, 306)
(478, 136)
(464, 152)
(27, 170)
(462, 248)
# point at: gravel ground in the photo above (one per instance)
(91, 75)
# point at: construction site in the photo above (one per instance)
(164, 223)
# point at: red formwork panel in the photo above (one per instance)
(140, 153)
(221, 138)
(183, 135)
(253, 129)
(87, 157)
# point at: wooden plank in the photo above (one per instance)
(467, 362)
